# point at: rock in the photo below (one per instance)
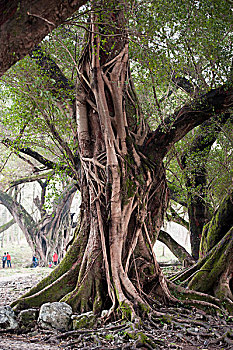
(55, 316)
(104, 313)
(85, 320)
(7, 318)
(27, 319)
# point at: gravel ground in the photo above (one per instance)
(185, 330)
(21, 344)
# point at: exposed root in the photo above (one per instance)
(227, 338)
(69, 263)
(206, 264)
(57, 290)
(199, 300)
(171, 327)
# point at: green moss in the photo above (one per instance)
(130, 187)
(144, 309)
(141, 339)
(216, 263)
(86, 320)
(109, 337)
(27, 318)
(221, 222)
(97, 306)
(126, 310)
(78, 298)
(166, 319)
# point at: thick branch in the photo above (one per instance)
(206, 136)
(31, 178)
(4, 227)
(60, 86)
(38, 157)
(179, 251)
(174, 128)
(20, 215)
(24, 24)
(185, 84)
(174, 216)
(64, 197)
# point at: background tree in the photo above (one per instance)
(53, 231)
(198, 188)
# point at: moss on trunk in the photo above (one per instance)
(219, 225)
(208, 275)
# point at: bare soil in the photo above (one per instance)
(182, 330)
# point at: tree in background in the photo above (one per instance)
(53, 230)
(197, 165)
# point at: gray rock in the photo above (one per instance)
(55, 316)
(7, 318)
(27, 318)
(85, 320)
(104, 313)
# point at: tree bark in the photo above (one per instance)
(215, 276)
(24, 24)
(4, 227)
(219, 225)
(213, 272)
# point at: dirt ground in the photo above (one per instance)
(186, 329)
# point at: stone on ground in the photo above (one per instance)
(7, 318)
(55, 316)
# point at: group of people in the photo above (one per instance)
(6, 260)
(55, 260)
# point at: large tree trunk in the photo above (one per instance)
(117, 179)
(124, 193)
